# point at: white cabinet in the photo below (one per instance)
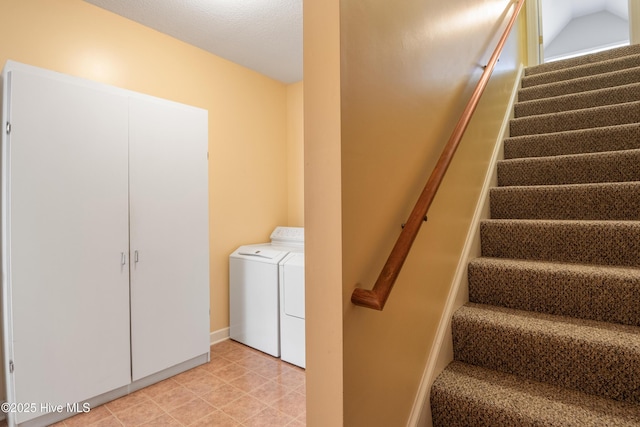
(105, 274)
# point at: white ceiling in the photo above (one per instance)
(556, 14)
(263, 35)
(266, 35)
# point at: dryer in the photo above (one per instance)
(255, 289)
(292, 308)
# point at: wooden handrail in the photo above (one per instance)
(377, 297)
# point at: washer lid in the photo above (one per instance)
(260, 252)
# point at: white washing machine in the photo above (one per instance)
(255, 288)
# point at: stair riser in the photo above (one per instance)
(574, 142)
(598, 98)
(601, 296)
(585, 84)
(619, 166)
(573, 120)
(604, 243)
(584, 202)
(591, 367)
(605, 67)
(469, 413)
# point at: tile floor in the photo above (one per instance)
(240, 387)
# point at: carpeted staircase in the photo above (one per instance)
(551, 335)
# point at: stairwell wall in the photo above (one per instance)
(407, 71)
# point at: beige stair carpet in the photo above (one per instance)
(551, 335)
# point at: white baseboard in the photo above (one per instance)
(219, 336)
(442, 352)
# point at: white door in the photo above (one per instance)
(535, 49)
(65, 215)
(169, 234)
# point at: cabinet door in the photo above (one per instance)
(65, 215)
(169, 234)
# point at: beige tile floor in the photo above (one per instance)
(240, 387)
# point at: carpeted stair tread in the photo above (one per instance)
(594, 357)
(610, 166)
(600, 293)
(608, 115)
(581, 84)
(601, 201)
(615, 243)
(590, 69)
(606, 55)
(609, 138)
(579, 101)
(465, 395)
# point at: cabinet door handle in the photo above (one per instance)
(123, 258)
(135, 257)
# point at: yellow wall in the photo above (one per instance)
(399, 80)
(248, 112)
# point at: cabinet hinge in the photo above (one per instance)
(11, 366)
(8, 128)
